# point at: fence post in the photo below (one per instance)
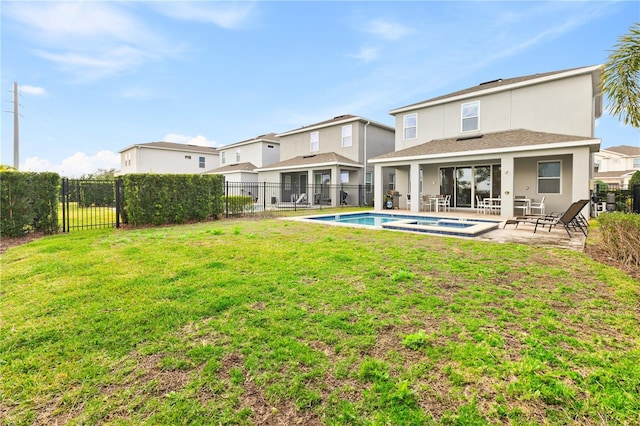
(226, 193)
(64, 190)
(118, 202)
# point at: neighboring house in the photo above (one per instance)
(326, 157)
(530, 136)
(167, 157)
(615, 166)
(238, 161)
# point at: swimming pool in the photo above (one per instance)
(462, 227)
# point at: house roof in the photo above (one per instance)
(627, 150)
(238, 167)
(615, 174)
(171, 146)
(506, 141)
(340, 119)
(499, 85)
(269, 137)
(327, 158)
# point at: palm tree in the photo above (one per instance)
(621, 78)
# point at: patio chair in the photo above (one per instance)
(481, 205)
(445, 202)
(538, 206)
(571, 219)
(425, 204)
(408, 201)
(343, 197)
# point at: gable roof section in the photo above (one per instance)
(615, 174)
(499, 85)
(238, 167)
(324, 159)
(339, 120)
(630, 151)
(171, 146)
(507, 141)
(269, 137)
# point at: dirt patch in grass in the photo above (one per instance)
(598, 254)
(6, 243)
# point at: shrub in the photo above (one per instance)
(28, 201)
(163, 199)
(239, 204)
(621, 236)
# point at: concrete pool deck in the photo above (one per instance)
(523, 234)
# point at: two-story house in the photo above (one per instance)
(239, 161)
(615, 166)
(528, 137)
(167, 157)
(329, 160)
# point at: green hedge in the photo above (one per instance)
(28, 202)
(621, 236)
(152, 199)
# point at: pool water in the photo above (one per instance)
(434, 225)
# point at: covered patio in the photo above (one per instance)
(509, 170)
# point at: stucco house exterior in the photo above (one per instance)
(239, 161)
(615, 166)
(321, 158)
(167, 157)
(528, 137)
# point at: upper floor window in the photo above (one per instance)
(238, 155)
(346, 135)
(636, 163)
(201, 162)
(549, 177)
(223, 158)
(471, 116)
(410, 126)
(315, 141)
(344, 177)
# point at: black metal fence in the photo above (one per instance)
(90, 204)
(616, 198)
(277, 197)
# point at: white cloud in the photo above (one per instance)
(89, 39)
(32, 90)
(76, 165)
(366, 54)
(190, 140)
(225, 15)
(388, 30)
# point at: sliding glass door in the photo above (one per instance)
(464, 183)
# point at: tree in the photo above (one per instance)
(635, 179)
(621, 78)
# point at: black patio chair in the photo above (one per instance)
(571, 219)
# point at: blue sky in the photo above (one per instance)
(96, 77)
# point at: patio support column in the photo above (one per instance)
(580, 175)
(507, 185)
(377, 187)
(414, 177)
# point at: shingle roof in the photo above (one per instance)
(493, 84)
(269, 137)
(631, 151)
(334, 120)
(175, 147)
(616, 174)
(483, 142)
(308, 160)
(238, 167)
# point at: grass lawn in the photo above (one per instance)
(87, 217)
(277, 322)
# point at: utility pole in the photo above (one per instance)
(16, 129)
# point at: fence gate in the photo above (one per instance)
(88, 204)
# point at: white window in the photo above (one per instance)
(636, 163)
(410, 126)
(344, 177)
(368, 180)
(471, 116)
(392, 181)
(201, 162)
(315, 141)
(222, 158)
(346, 135)
(238, 155)
(549, 177)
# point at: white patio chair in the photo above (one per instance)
(445, 203)
(538, 206)
(425, 203)
(408, 201)
(481, 205)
